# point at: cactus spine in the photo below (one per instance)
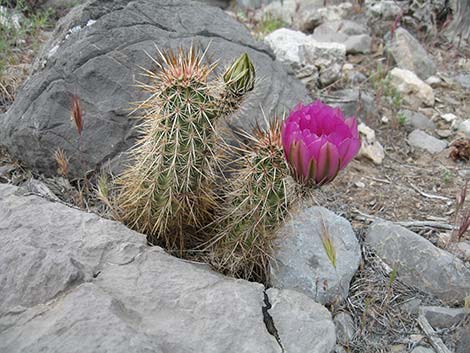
(167, 193)
(258, 199)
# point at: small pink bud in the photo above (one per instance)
(318, 142)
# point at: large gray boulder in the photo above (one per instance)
(409, 54)
(74, 282)
(301, 261)
(97, 52)
(419, 263)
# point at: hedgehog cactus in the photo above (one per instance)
(167, 192)
(280, 167)
(258, 198)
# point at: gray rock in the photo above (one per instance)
(301, 261)
(339, 349)
(97, 51)
(460, 249)
(434, 81)
(449, 117)
(352, 102)
(358, 44)
(306, 56)
(417, 120)
(288, 10)
(297, 317)
(463, 340)
(347, 27)
(440, 317)
(422, 140)
(325, 33)
(464, 127)
(328, 58)
(370, 148)
(382, 9)
(412, 89)
(312, 16)
(463, 80)
(356, 77)
(6, 169)
(345, 328)
(419, 263)
(332, 32)
(409, 54)
(73, 282)
(286, 45)
(50, 248)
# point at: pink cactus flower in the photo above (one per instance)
(318, 142)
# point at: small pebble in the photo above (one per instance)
(360, 184)
(449, 117)
(444, 133)
(433, 81)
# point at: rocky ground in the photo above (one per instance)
(401, 282)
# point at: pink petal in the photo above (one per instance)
(328, 163)
(289, 132)
(298, 154)
(352, 123)
(340, 134)
(343, 149)
(314, 148)
(354, 147)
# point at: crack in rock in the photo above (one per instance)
(269, 322)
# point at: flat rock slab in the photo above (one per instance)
(97, 52)
(301, 261)
(417, 120)
(74, 282)
(419, 263)
(419, 139)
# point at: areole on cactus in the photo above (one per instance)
(318, 142)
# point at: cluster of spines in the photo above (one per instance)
(168, 191)
(258, 198)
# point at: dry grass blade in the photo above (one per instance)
(62, 162)
(77, 114)
(328, 244)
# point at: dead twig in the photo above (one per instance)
(409, 224)
(429, 196)
(436, 342)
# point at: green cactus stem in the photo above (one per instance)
(259, 196)
(167, 192)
